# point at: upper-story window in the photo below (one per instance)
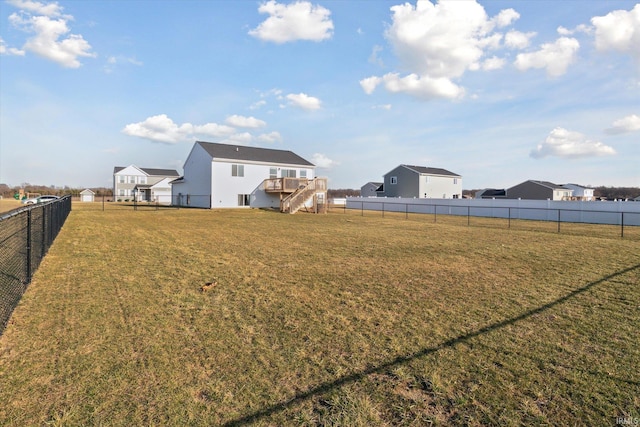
(122, 179)
(142, 180)
(455, 180)
(303, 173)
(237, 170)
(273, 173)
(288, 173)
(393, 180)
(132, 179)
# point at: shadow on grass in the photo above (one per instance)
(400, 360)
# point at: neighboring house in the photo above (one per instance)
(491, 193)
(580, 192)
(160, 192)
(422, 182)
(231, 176)
(539, 190)
(130, 178)
(371, 189)
(87, 195)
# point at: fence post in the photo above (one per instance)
(509, 226)
(622, 224)
(406, 211)
(435, 212)
(468, 216)
(558, 220)
(362, 209)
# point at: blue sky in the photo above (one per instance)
(496, 91)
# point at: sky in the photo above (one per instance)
(498, 92)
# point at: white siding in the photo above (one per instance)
(440, 187)
(195, 189)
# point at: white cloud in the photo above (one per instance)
(245, 122)
(626, 124)
(51, 39)
(258, 104)
(322, 161)
(243, 138)
(374, 58)
(568, 144)
(619, 30)
(504, 18)
(113, 61)
(296, 21)
(46, 9)
(270, 137)
(424, 87)
(518, 40)
(161, 128)
(554, 57)
(4, 50)
(493, 63)
(304, 101)
(437, 43)
(369, 84)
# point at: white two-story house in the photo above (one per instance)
(231, 176)
(145, 184)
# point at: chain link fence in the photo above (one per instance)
(26, 234)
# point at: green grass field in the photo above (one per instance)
(322, 320)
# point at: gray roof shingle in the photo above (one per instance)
(151, 171)
(431, 171)
(243, 152)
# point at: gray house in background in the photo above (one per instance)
(371, 189)
(539, 190)
(422, 182)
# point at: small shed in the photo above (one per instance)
(87, 195)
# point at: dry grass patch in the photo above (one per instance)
(321, 320)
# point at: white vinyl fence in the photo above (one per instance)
(613, 213)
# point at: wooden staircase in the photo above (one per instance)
(308, 194)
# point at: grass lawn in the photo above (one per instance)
(9, 204)
(335, 319)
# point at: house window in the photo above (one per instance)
(393, 180)
(132, 180)
(121, 179)
(244, 199)
(273, 173)
(288, 173)
(237, 170)
(455, 180)
(303, 173)
(121, 192)
(142, 180)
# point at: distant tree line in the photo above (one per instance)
(341, 193)
(8, 192)
(611, 193)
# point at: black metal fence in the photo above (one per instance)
(26, 234)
